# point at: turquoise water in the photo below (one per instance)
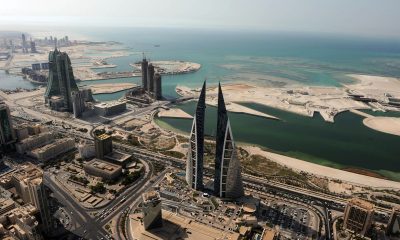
(346, 143)
(11, 82)
(272, 59)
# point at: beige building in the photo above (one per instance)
(28, 183)
(33, 142)
(358, 216)
(20, 223)
(103, 169)
(54, 149)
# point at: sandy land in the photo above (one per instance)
(110, 87)
(174, 113)
(324, 171)
(375, 86)
(328, 101)
(389, 125)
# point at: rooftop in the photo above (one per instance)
(103, 136)
(109, 104)
(118, 156)
(103, 165)
(150, 196)
(362, 204)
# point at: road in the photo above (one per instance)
(94, 230)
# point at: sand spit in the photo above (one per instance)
(389, 125)
(174, 113)
(110, 87)
(324, 171)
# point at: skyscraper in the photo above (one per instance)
(24, 48)
(7, 135)
(61, 81)
(103, 145)
(194, 164)
(78, 103)
(150, 78)
(228, 180)
(145, 65)
(157, 86)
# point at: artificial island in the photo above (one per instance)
(75, 167)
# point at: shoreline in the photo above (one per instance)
(357, 176)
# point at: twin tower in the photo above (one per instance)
(227, 177)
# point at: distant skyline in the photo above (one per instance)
(357, 17)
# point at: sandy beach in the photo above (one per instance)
(174, 113)
(324, 171)
(389, 125)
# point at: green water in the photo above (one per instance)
(346, 143)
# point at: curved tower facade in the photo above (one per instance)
(228, 180)
(194, 163)
(61, 81)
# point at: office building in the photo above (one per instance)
(228, 180)
(7, 134)
(52, 150)
(194, 163)
(61, 82)
(358, 216)
(78, 103)
(103, 145)
(157, 86)
(393, 226)
(110, 108)
(144, 73)
(45, 66)
(103, 169)
(151, 210)
(24, 47)
(33, 47)
(150, 78)
(36, 66)
(86, 150)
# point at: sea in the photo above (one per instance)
(274, 59)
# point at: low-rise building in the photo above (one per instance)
(103, 169)
(358, 216)
(53, 150)
(33, 142)
(28, 183)
(110, 108)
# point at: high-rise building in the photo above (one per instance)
(393, 226)
(33, 47)
(145, 65)
(151, 210)
(358, 216)
(150, 78)
(78, 103)
(103, 145)
(194, 164)
(61, 82)
(157, 86)
(7, 134)
(24, 47)
(228, 180)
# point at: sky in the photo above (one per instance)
(379, 18)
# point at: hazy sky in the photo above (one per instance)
(379, 18)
